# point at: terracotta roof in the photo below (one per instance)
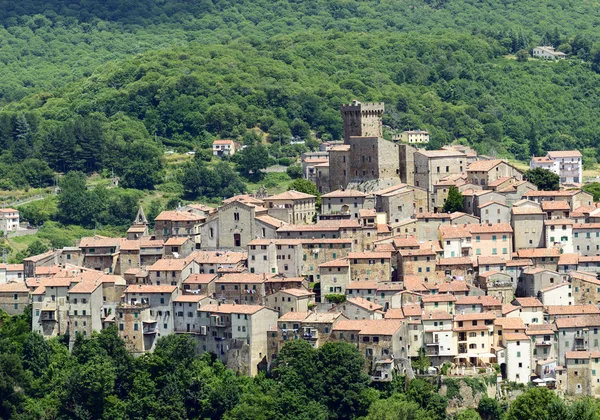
(564, 154)
(397, 286)
(542, 159)
(506, 309)
(100, 242)
(293, 316)
(290, 195)
(455, 261)
(148, 288)
(537, 329)
(344, 193)
(489, 203)
(14, 267)
(539, 193)
(151, 243)
(439, 298)
(453, 286)
(223, 142)
(455, 231)
(189, 298)
(269, 241)
(176, 241)
(581, 354)
(365, 304)
(137, 228)
(440, 153)
(590, 259)
(491, 228)
(364, 285)
(491, 273)
(537, 270)
(414, 283)
(370, 326)
(554, 310)
(340, 262)
(367, 213)
(475, 316)
(271, 221)
(85, 287)
(556, 222)
(510, 323)
(538, 252)
(554, 286)
(130, 245)
(242, 278)
(227, 308)
(322, 225)
(170, 264)
(492, 260)
(417, 252)
(578, 321)
(14, 287)
(435, 315)
(394, 313)
(384, 248)
(484, 165)
(8, 210)
(405, 242)
(178, 216)
(218, 257)
(478, 300)
(586, 226)
(528, 302)
(39, 257)
(527, 210)
(200, 278)
(555, 205)
(515, 336)
(412, 310)
(297, 292)
(500, 181)
(519, 262)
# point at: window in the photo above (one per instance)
(478, 239)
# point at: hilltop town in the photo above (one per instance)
(508, 281)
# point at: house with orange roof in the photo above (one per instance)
(431, 166)
(475, 338)
(581, 374)
(420, 263)
(517, 357)
(290, 300)
(541, 257)
(455, 240)
(585, 288)
(576, 198)
(292, 207)
(237, 335)
(484, 172)
(358, 308)
(185, 312)
(439, 302)
(9, 219)
(14, 297)
(577, 333)
(528, 226)
(47, 259)
(144, 315)
(586, 238)
(335, 277)
(171, 271)
(179, 247)
(343, 202)
(50, 305)
(438, 336)
(458, 268)
(241, 288)
(568, 164)
(400, 201)
(529, 309)
(100, 253)
(498, 284)
(177, 223)
(370, 266)
(559, 233)
(474, 304)
(493, 212)
(85, 307)
(492, 240)
(222, 148)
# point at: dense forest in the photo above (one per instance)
(86, 83)
(99, 379)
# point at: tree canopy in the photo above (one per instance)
(542, 178)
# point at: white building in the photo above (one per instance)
(9, 219)
(548, 53)
(559, 232)
(568, 165)
(558, 294)
(414, 136)
(518, 357)
(223, 148)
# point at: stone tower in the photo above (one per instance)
(362, 120)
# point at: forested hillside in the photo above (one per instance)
(85, 83)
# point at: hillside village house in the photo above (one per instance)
(548, 53)
(568, 165)
(223, 148)
(414, 136)
(9, 220)
(292, 207)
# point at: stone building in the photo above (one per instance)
(431, 166)
(365, 266)
(171, 271)
(292, 207)
(484, 172)
(144, 315)
(586, 238)
(528, 226)
(290, 300)
(335, 277)
(14, 297)
(343, 202)
(85, 308)
(100, 253)
(171, 223)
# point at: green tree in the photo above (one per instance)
(36, 354)
(397, 407)
(594, 189)
(533, 404)
(252, 160)
(73, 204)
(307, 187)
(542, 178)
(489, 409)
(294, 171)
(522, 55)
(454, 201)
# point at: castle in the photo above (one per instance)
(365, 161)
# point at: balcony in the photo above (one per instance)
(150, 330)
(311, 335)
(543, 343)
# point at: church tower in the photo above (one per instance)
(362, 120)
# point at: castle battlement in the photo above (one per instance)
(357, 106)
